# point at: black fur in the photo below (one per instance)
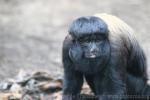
(106, 62)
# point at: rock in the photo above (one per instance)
(15, 88)
(50, 87)
(10, 96)
(5, 85)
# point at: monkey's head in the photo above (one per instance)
(90, 40)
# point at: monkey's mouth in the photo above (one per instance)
(91, 56)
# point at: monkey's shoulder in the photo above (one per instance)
(67, 42)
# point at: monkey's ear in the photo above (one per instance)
(75, 53)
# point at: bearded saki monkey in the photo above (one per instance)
(103, 50)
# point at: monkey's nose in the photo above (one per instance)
(93, 51)
(93, 48)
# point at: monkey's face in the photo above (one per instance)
(90, 51)
(92, 46)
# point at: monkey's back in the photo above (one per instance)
(123, 36)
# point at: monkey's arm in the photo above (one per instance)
(112, 85)
(73, 80)
(137, 61)
(117, 86)
(72, 84)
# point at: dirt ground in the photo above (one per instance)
(32, 31)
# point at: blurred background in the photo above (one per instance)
(32, 31)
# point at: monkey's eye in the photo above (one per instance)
(73, 40)
(83, 40)
(99, 38)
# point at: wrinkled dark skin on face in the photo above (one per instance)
(89, 53)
